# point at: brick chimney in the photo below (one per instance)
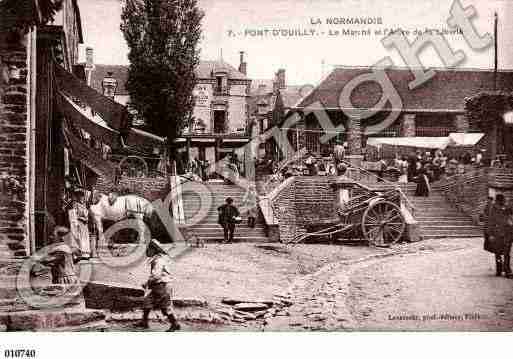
(280, 79)
(89, 65)
(89, 57)
(243, 67)
(276, 86)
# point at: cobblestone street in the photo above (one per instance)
(432, 285)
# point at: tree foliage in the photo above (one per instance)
(162, 37)
(486, 107)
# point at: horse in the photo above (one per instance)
(123, 207)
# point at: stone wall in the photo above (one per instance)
(300, 202)
(314, 198)
(13, 153)
(468, 192)
(149, 188)
(284, 208)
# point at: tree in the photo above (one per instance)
(162, 37)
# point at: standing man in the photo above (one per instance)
(228, 214)
(500, 235)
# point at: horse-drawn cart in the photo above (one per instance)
(374, 216)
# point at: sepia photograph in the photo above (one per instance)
(237, 166)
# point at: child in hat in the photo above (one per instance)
(159, 285)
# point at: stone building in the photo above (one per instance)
(220, 119)
(32, 161)
(271, 100)
(436, 108)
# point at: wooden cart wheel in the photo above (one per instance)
(383, 223)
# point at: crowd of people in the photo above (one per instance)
(229, 167)
(421, 167)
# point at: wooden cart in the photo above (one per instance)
(371, 215)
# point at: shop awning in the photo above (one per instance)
(139, 138)
(418, 142)
(90, 157)
(465, 139)
(115, 115)
(235, 140)
(93, 124)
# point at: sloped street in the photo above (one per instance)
(434, 285)
(439, 284)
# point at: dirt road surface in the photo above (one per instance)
(446, 284)
(438, 288)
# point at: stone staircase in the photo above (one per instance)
(437, 217)
(206, 226)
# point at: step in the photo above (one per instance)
(447, 222)
(432, 201)
(217, 227)
(206, 225)
(255, 239)
(209, 218)
(453, 235)
(440, 211)
(439, 219)
(216, 193)
(49, 320)
(211, 214)
(214, 227)
(220, 232)
(441, 227)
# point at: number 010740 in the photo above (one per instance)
(19, 353)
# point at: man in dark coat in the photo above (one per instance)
(227, 219)
(499, 235)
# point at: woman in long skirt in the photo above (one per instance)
(422, 180)
(79, 218)
(250, 202)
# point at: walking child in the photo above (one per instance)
(160, 292)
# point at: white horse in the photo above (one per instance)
(117, 209)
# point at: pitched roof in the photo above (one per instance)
(447, 90)
(291, 95)
(261, 86)
(205, 68)
(120, 73)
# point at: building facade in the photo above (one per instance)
(436, 108)
(32, 160)
(271, 101)
(220, 120)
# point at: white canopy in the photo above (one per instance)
(420, 142)
(465, 139)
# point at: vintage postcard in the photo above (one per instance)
(255, 166)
